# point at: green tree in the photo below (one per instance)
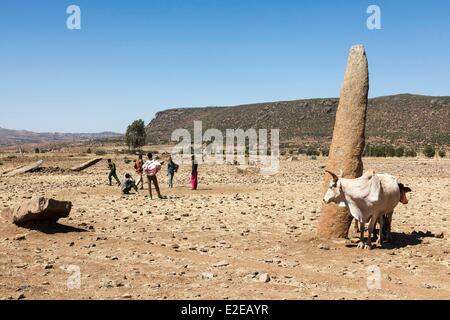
(442, 153)
(429, 151)
(135, 136)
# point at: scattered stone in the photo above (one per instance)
(161, 218)
(20, 237)
(221, 264)
(440, 235)
(24, 288)
(264, 277)
(324, 246)
(208, 275)
(48, 266)
(107, 284)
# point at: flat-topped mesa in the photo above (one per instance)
(348, 141)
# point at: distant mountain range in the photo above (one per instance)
(403, 119)
(18, 137)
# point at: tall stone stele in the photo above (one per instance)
(348, 141)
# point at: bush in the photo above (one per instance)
(88, 151)
(400, 152)
(442, 153)
(375, 151)
(411, 153)
(325, 152)
(390, 151)
(312, 152)
(387, 151)
(127, 161)
(100, 152)
(11, 157)
(36, 150)
(429, 151)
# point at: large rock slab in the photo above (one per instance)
(86, 165)
(24, 169)
(38, 209)
(348, 141)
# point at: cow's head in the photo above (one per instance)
(334, 193)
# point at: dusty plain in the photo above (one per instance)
(240, 236)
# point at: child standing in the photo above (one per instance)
(139, 171)
(172, 167)
(151, 168)
(112, 172)
(194, 173)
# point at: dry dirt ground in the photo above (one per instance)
(216, 242)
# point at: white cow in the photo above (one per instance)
(369, 198)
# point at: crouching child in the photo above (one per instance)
(128, 184)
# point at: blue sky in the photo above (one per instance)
(134, 58)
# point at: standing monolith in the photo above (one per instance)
(348, 141)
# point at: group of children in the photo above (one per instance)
(150, 168)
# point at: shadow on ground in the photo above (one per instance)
(401, 240)
(51, 227)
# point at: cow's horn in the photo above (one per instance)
(335, 177)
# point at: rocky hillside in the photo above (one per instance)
(15, 137)
(406, 118)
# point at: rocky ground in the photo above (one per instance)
(240, 236)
